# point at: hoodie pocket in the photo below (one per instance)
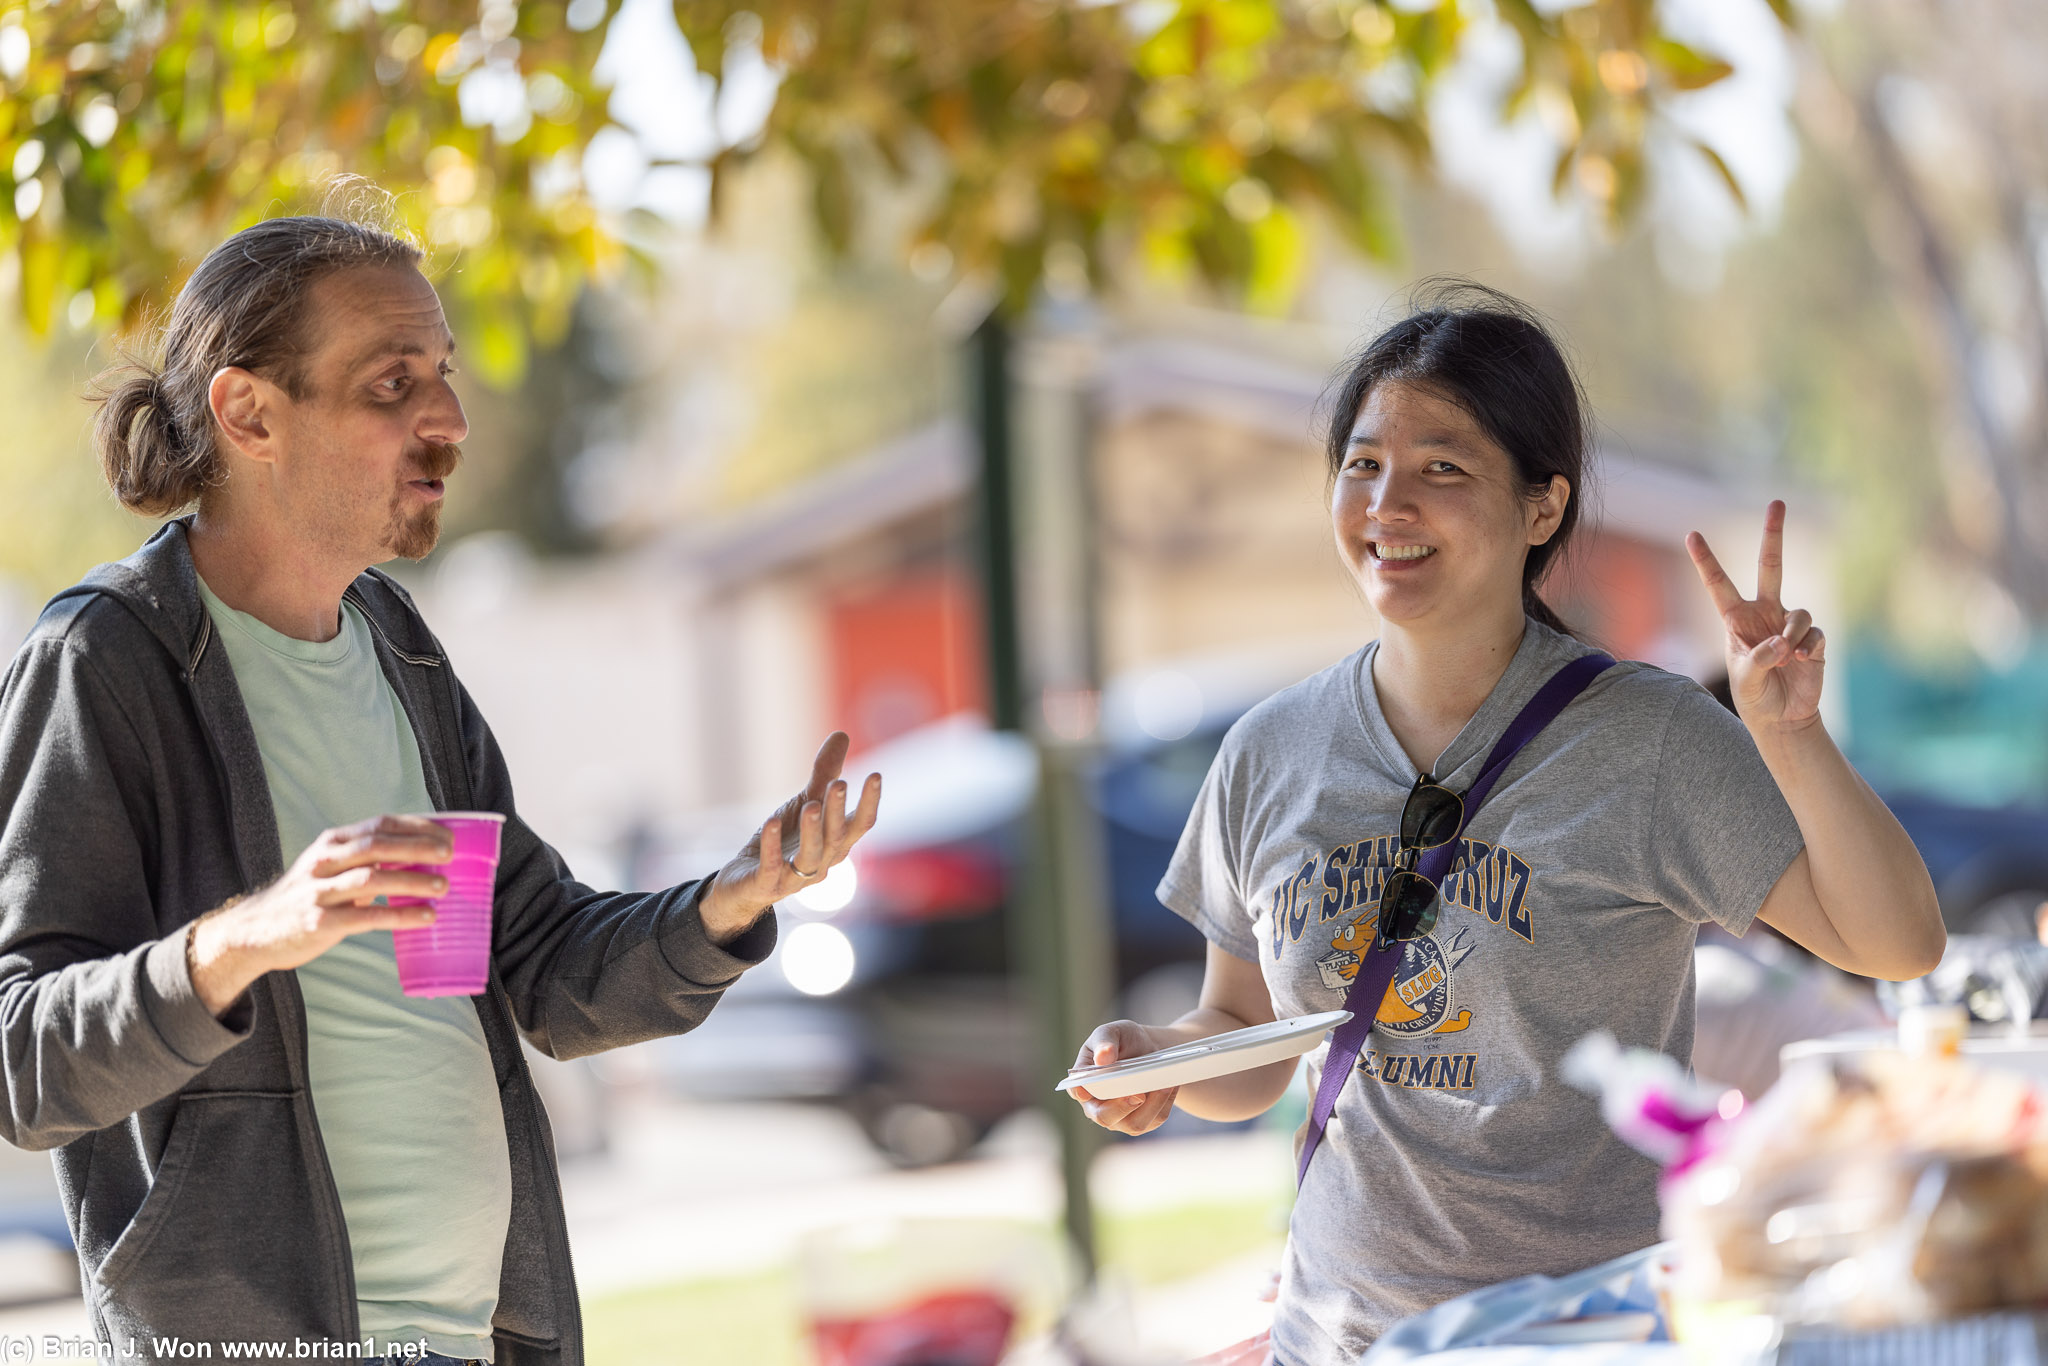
(164, 1185)
(229, 1236)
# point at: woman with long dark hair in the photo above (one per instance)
(1584, 817)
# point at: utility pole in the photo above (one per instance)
(1059, 906)
(996, 521)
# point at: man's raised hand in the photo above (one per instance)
(795, 846)
(1775, 657)
(329, 893)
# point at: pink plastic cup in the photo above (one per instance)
(452, 956)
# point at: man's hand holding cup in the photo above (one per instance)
(331, 891)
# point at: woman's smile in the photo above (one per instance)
(1389, 556)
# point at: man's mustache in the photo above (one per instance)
(435, 460)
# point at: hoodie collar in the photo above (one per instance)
(160, 588)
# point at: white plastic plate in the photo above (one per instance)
(1215, 1056)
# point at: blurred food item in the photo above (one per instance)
(923, 1292)
(1871, 1192)
(1933, 1031)
(951, 1328)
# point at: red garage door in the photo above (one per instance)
(905, 652)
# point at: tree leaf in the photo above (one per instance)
(42, 262)
(1685, 67)
(499, 345)
(1278, 256)
(1727, 176)
(1629, 183)
(832, 200)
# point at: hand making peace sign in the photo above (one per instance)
(1775, 657)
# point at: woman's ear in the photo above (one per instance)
(1546, 509)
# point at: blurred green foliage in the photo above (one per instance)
(1038, 144)
(135, 135)
(1190, 134)
(857, 364)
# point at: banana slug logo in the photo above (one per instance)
(1422, 998)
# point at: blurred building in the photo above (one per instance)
(682, 684)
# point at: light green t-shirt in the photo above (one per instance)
(404, 1087)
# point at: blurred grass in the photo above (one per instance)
(745, 1321)
(754, 1320)
(1172, 1244)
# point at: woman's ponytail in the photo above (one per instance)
(1540, 611)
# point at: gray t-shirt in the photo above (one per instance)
(1457, 1157)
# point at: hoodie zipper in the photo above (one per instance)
(199, 653)
(428, 661)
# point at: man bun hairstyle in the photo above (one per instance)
(1494, 357)
(244, 306)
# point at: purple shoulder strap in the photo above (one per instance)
(1376, 971)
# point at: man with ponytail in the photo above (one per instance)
(213, 756)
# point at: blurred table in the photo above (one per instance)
(2024, 1053)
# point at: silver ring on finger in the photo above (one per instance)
(791, 864)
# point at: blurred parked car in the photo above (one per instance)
(36, 1258)
(1990, 865)
(891, 993)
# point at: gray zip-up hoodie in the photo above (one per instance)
(187, 1149)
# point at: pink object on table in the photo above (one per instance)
(1253, 1351)
(958, 1327)
(452, 956)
